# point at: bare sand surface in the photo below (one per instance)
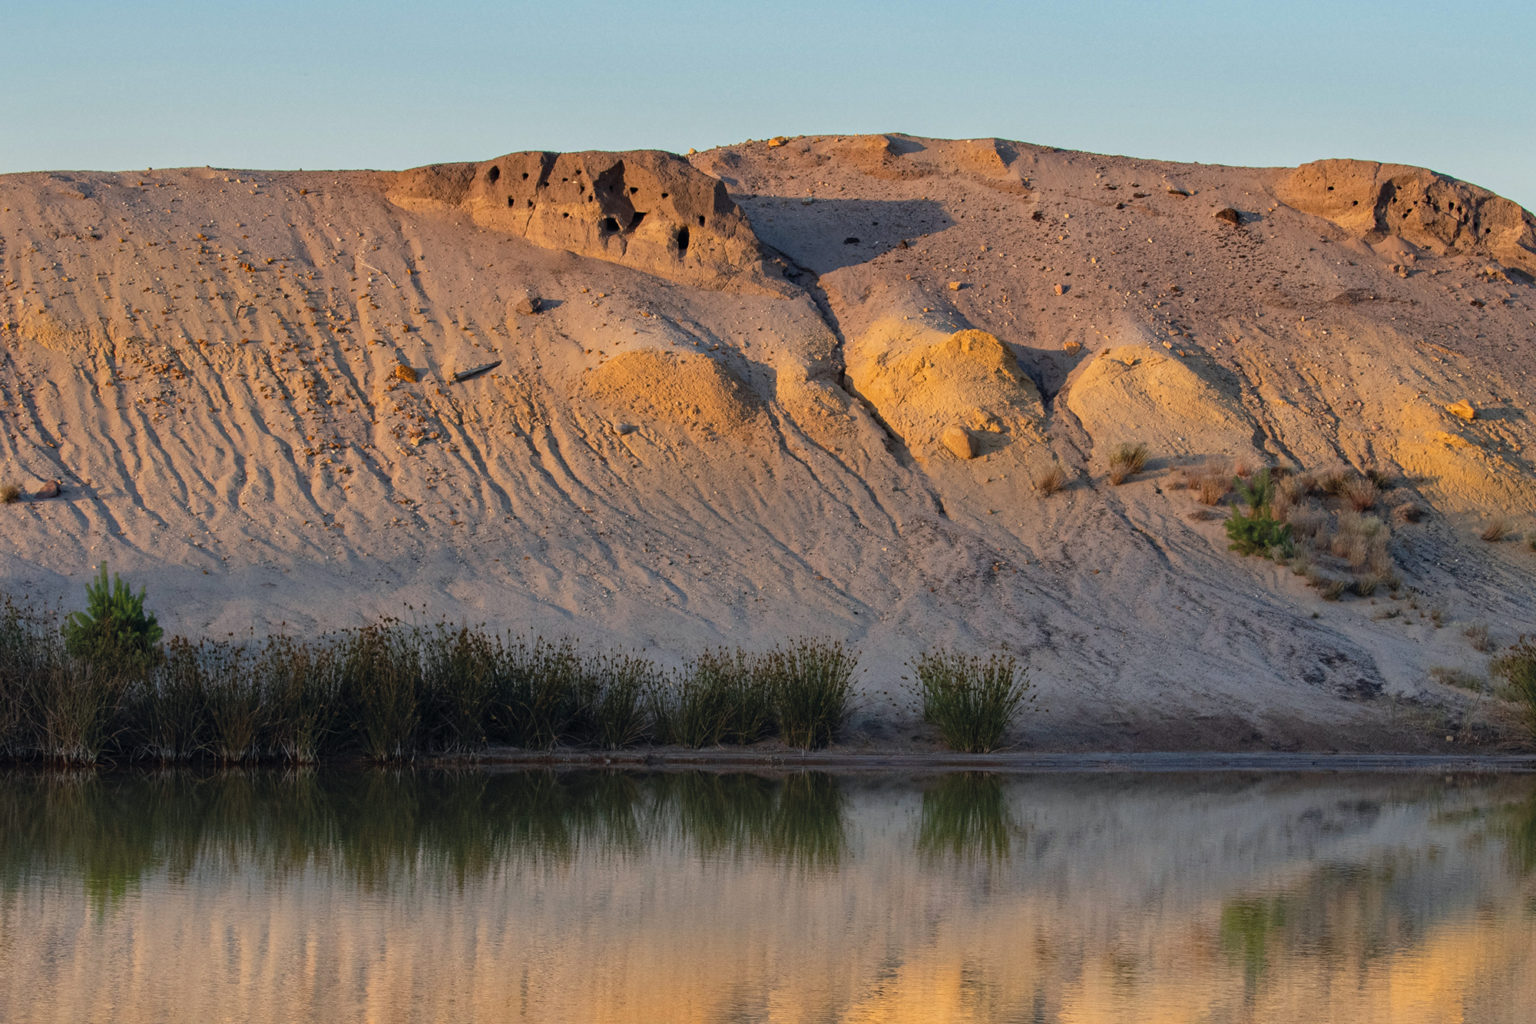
(802, 386)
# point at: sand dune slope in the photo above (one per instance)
(806, 387)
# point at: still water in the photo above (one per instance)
(588, 897)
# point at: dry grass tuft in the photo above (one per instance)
(1365, 585)
(1477, 636)
(1495, 531)
(1459, 678)
(1126, 461)
(1333, 479)
(1052, 480)
(1361, 493)
(1338, 546)
(1213, 485)
(10, 492)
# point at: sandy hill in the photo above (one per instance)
(806, 385)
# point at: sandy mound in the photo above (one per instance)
(38, 324)
(252, 388)
(924, 383)
(989, 161)
(1467, 465)
(1137, 393)
(1425, 209)
(654, 388)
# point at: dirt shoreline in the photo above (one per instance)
(1010, 762)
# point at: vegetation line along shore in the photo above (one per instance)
(104, 688)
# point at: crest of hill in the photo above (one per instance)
(645, 209)
(1432, 211)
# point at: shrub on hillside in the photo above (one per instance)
(1257, 531)
(114, 633)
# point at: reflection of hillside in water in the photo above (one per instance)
(697, 896)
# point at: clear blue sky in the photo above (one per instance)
(91, 84)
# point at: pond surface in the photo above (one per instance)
(588, 897)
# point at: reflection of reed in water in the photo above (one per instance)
(966, 817)
(798, 820)
(1520, 835)
(381, 829)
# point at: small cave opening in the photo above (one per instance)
(634, 221)
(682, 241)
(493, 175)
(525, 175)
(608, 225)
(701, 220)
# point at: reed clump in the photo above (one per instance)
(970, 700)
(1517, 668)
(810, 685)
(381, 690)
(719, 697)
(388, 692)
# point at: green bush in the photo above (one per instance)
(1258, 532)
(114, 633)
(459, 675)
(301, 682)
(1517, 667)
(380, 685)
(169, 711)
(720, 697)
(810, 683)
(537, 694)
(621, 683)
(972, 702)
